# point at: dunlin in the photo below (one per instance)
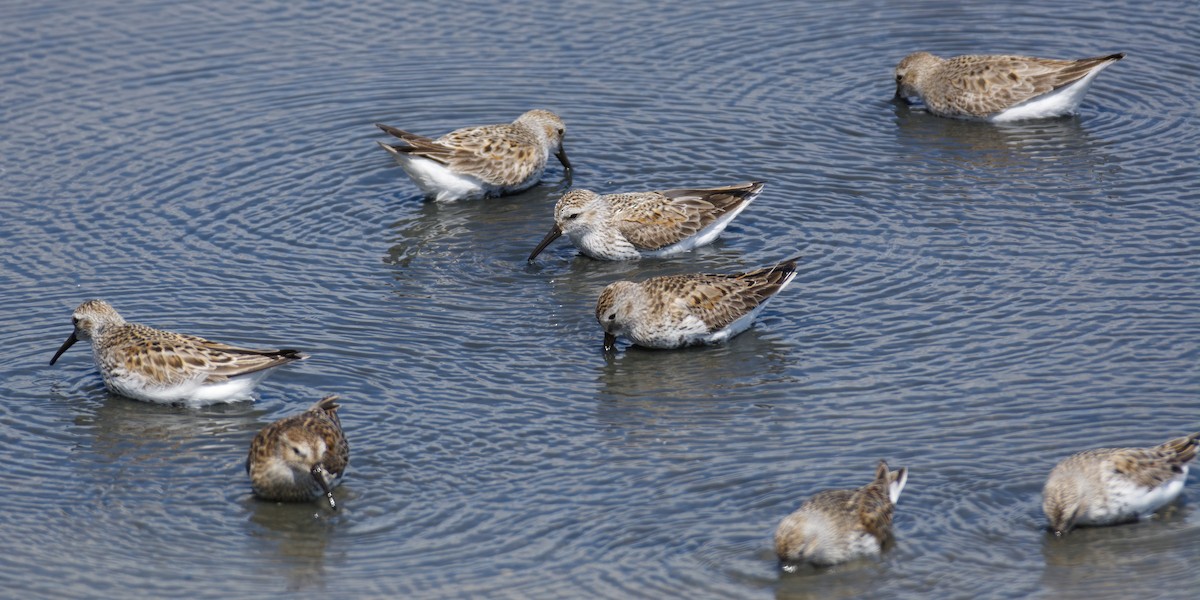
(643, 224)
(1116, 485)
(476, 162)
(998, 87)
(683, 310)
(160, 366)
(301, 457)
(835, 526)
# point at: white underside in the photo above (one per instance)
(703, 237)
(1063, 101)
(440, 182)
(192, 393)
(745, 321)
(608, 244)
(862, 544)
(741, 324)
(694, 331)
(1127, 501)
(595, 244)
(827, 544)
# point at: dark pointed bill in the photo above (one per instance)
(562, 157)
(318, 473)
(67, 344)
(550, 237)
(610, 342)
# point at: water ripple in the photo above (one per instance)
(975, 301)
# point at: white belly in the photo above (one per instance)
(745, 321)
(1127, 501)
(1063, 101)
(192, 393)
(440, 182)
(702, 238)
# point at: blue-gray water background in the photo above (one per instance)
(976, 302)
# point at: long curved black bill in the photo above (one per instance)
(318, 473)
(67, 344)
(550, 237)
(610, 342)
(562, 157)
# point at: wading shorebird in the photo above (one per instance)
(161, 366)
(1108, 486)
(477, 162)
(646, 224)
(998, 88)
(835, 526)
(684, 310)
(300, 458)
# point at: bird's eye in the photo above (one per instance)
(561, 132)
(571, 217)
(898, 78)
(74, 320)
(296, 449)
(612, 317)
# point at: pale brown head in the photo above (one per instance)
(90, 319)
(912, 71)
(573, 215)
(550, 130)
(576, 210)
(613, 310)
(1063, 502)
(303, 450)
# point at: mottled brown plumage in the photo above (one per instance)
(681, 310)
(1107, 486)
(484, 160)
(301, 457)
(996, 87)
(834, 526)
(162, 366)
(639, 224)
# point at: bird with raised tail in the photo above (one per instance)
(997, 87)
(161, 366)
(674, 311)
(635, 225)
(835, 526)
(1108, 486)
(300, 458)
(477, 162)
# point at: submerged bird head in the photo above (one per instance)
(90, 319)
(1062, 504)
(613, 309)
(303, 452)
(911, 73)
(549, 129)
(797, 541)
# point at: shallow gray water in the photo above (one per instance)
(976, 302)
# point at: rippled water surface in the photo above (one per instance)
(976, 302)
